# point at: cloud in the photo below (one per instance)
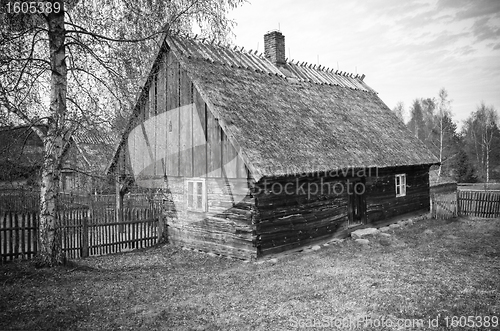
(471, 8)
(482, 30)
(477, 9)
(466, 50)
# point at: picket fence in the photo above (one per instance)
(84, 232)
(479, 203)
(475, 203)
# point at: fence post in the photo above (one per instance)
(433, 206)
(458, 203)
(85, 233)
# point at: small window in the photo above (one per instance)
(400, 185)
(196, 195)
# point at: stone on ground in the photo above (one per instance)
(385, 241)
(358, 234)
(362, 241)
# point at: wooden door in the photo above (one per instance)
(357, 201)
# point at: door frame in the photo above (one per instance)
(356, 202)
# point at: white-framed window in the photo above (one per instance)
(196, 194)
(400, 185)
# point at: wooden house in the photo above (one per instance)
(83, 168)
(255, 154)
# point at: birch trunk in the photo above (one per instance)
(487, 165)
(440, 146)
(50, 250)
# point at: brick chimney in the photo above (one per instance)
(274, 47)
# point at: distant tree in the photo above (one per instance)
(431, 121)
(416, 123)
(399, 110)
(482, 139)
(428, 107)
(464, 169)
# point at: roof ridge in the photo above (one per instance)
(236, 56)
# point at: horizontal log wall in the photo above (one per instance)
(381, 199)
(225, 228)
(292, 212)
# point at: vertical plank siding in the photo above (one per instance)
(84, 232)
(187, 140)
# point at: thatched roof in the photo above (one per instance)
(297, 118)
(294, 118)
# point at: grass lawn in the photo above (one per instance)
(431, 271)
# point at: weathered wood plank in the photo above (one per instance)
(186, 142)
(172, 160)
(186, 126)
(229, 157)
(152, 96)
(241, 169)
(199, 136)
(214, 148)
(162, 86)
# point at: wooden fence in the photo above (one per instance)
(479, 203)
(84, 232)
(444, 206)
(474, 203)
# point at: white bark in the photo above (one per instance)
(49, 250)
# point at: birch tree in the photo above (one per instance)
(443, 107)
(399, 110)
(64, 64)
(482, 136)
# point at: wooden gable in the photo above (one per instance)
(175, 134)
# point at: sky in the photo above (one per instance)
(406, 49)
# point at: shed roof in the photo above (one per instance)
(297, 119)
(23, 147)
